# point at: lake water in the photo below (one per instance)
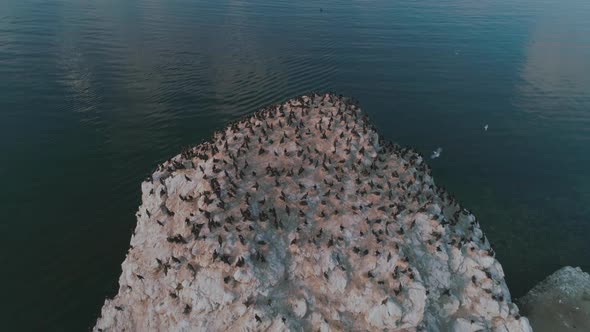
(93, 94)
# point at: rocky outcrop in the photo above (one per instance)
(561, 302)
(301, 217)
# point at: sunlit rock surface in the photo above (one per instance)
(301, 217)
(561, 302)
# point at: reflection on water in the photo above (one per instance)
(95, 94)
(555, 78)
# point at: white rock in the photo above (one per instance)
(385, 316)
(299, 307)
(299, 217)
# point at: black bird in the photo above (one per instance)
(192, 268)
(240, 262)
(260, 257)
(226, 259)
(176, 239)
(167, 211)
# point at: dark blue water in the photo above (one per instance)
(93, 94)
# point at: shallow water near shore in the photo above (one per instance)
(95, 94)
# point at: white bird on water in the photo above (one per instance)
(485, 127)
(436, 153)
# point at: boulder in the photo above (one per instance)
(561, 302)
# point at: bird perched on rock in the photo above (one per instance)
(266, 225)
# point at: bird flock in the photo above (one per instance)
(301, 217)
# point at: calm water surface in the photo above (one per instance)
(93, 94)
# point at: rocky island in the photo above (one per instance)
(301, 217)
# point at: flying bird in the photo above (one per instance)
(436, 153)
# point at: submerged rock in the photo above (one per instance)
(561, 302)
(301, 217)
